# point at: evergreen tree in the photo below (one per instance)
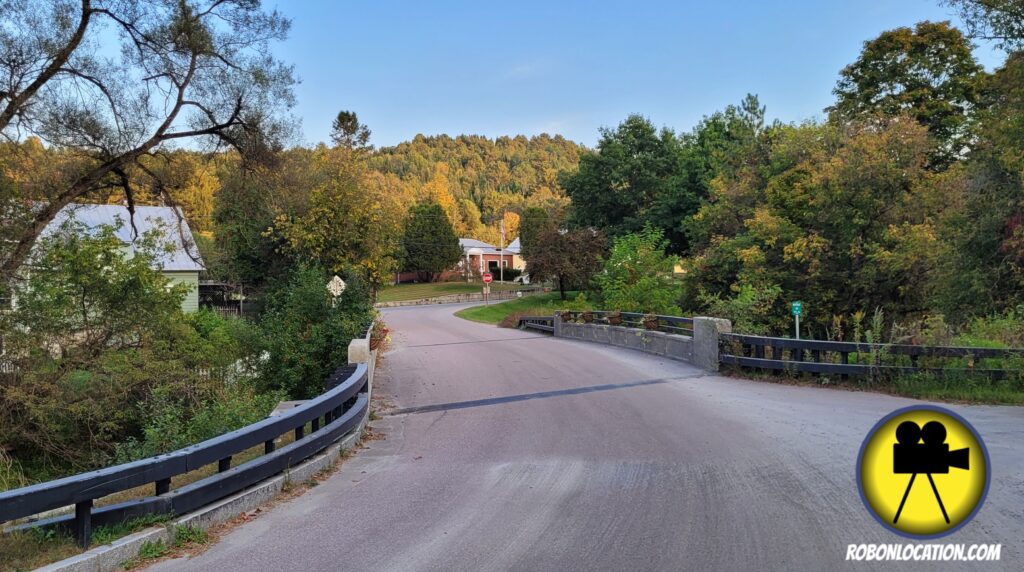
(429, 243)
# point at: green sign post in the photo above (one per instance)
(797, 308)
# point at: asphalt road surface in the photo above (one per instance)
(509, 450)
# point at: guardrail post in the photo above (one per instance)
(557, 323)
(83, 523)
(163, 486)
(224, 464)
(705, 341)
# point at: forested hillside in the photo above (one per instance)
(486, 178)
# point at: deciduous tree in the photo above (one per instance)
(928, 72)
(187, 71)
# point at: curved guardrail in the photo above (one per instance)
(340, 408)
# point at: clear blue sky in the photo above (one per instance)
(570, 67)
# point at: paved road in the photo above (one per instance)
(515, 451)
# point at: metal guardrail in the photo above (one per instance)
(818, 357)
(541, 323)
(340, 408)
(668, 324)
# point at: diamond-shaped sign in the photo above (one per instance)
(336, 286)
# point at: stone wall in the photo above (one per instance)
(701, 350)
(658, 343)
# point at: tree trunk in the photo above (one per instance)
(561, 287)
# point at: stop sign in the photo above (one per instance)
(488, 278)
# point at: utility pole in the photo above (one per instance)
(501, 253)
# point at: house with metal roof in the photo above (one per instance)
(181, 263)
(480, 257)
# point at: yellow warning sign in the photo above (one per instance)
(923, 471)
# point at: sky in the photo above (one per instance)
(571, 67)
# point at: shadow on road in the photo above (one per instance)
(529, 396)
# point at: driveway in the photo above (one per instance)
(512, 450)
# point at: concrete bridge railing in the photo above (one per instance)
(693, 340)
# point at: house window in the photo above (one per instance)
(492, 265)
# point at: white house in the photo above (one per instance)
(182, 264)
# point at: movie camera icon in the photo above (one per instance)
(924, 450)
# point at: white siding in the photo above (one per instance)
(191, 301)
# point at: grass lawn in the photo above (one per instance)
(404, 292)
(538, 305)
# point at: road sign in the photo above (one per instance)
(798, 308)
(488, 277)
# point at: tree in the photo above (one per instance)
(637, 276)
(639, 176)
(998, 20)
(618, 185)
(429, 243)
(343, 225)
(571, 257)
(983, 265)
(186, 71)
(346, 131)
(844, 218)
(928, 72)
(534, 221)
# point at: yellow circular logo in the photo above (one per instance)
(923, 471)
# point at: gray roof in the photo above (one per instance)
(183, 258)
(468, 243)
(514, 246)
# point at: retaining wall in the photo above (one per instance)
(701, 350)
(658, 343)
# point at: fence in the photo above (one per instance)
(858, 359)
(494, 296)
(846, 359)
(336, 412)
(666, 324)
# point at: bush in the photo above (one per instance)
(509, 274)
(750, 310)
(173, 422)
(306, 336)
(637, 276)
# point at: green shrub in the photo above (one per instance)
(637, 276)
(750, 310)
(306, 335)
(173, 422)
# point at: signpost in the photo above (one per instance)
(487, 287)
(335, 287)
(797, 308)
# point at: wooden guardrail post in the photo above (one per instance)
(83, 523)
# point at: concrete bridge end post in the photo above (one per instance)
(558, 325)
(705, 341)
(359, 352)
